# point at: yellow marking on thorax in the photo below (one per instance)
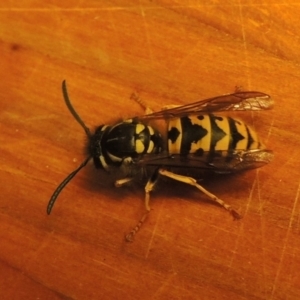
(139, 128)
(151, 130)
(150, 147)
(139, 146)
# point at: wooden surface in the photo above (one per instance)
(170, 52)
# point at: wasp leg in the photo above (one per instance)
(193, 182)
(166, 107)
(123, 181)
(148, 188)
(135, 97)
(238, 88)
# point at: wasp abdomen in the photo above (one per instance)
(209, 133)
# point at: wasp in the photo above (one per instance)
(193, 138)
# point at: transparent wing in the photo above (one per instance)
(239, 101)
(218, 161)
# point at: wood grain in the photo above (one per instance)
(170, 52)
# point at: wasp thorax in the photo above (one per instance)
(110, 145)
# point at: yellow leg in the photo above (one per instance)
(136, 98)
(123, 181)
(148, 110)
(193, 182)
(166, 107)
(148, 188)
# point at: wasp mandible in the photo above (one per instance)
(193, 138)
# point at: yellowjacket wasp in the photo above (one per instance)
(193, 138)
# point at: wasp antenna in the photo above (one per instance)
(72, 110)
(63, 184)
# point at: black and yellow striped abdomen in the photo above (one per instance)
(210, 133)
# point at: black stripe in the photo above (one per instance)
(250, 138)
(173, 134)
(235, 136)
(191, 133)
(217, 133)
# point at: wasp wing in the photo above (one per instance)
(239, 101)
(218, 161)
